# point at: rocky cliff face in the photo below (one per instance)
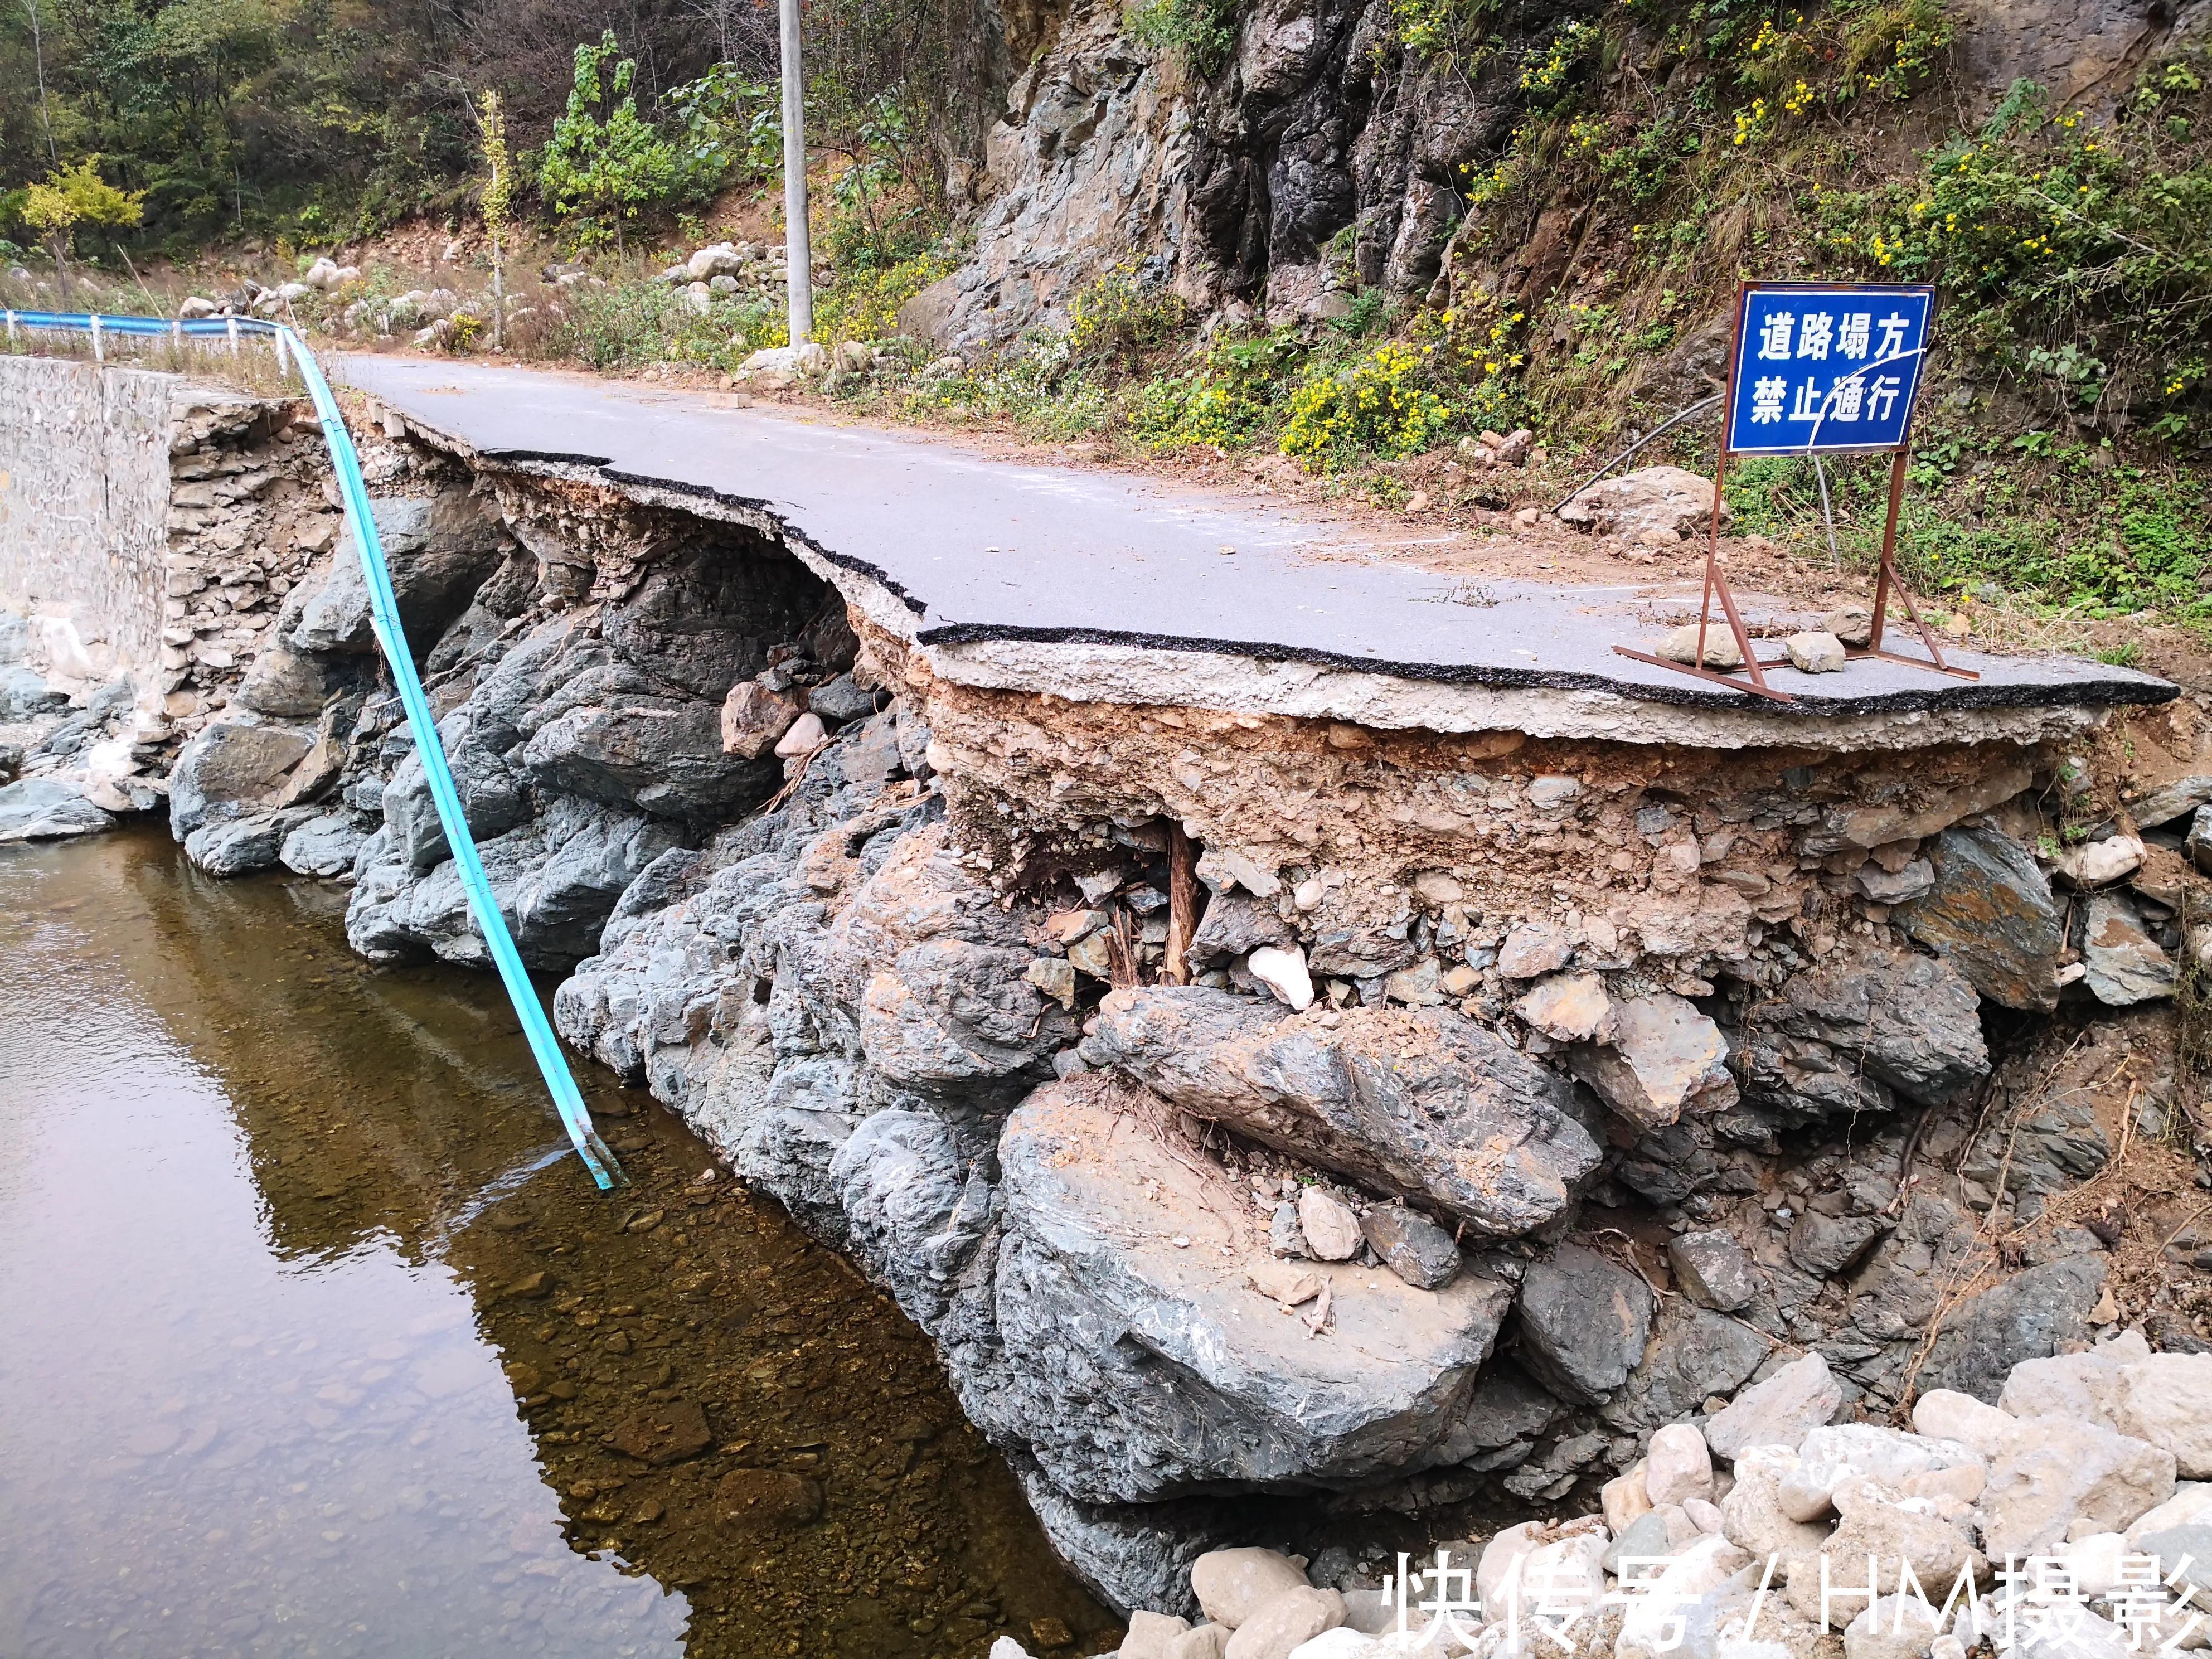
(1327, 154)
(1524, 1096)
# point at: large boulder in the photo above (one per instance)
(24, 693)
(439, 550)
(556, 879)
(1647, 501)
(1867, 1025)
(1990, 914)
(1140, 1360)
(1425, 1103)
(2055, 1473)
(1694, 1354)
(232, 769)
(2166, 1400)
(1780, 1411)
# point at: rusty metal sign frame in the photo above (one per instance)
(1886, 580)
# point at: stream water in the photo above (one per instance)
(313, 1343)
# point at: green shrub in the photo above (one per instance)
(1121, 317)
(605, 165)
(1237, 395)
(1382, 405)
(632, 325)
(864, 304)
(1201, 33)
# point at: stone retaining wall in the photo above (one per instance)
(151, 525)
(84, 501)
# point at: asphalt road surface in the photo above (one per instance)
(982, 548)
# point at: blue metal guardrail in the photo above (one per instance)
(384, 614)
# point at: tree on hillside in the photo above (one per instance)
(495, 204)
(73, 197)
(604, 164)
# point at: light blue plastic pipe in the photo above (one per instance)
(384, 617)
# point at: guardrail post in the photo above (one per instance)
(233, 321)
(98, 354)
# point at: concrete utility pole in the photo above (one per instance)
(797, 256)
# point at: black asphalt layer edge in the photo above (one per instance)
(1944, 693)
(761, 504)
(1691, 694)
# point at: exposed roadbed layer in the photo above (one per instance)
(988, 553)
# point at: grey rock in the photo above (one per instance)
(1713, 1270)
(2186, 1551)
(1402, 1116)
(556, 879)
(324, 846)
(231, 769)
(1779, 1411)
(841, 701)
(287, 685)
(2125, 964)
(492, 797)
(1534, 948)
(1357, 953)
(1826, 1245)
(910, 1202)
(2199, 844)
(439, 550)
(1662, 1058)
(15, 639)
(1694, 1354)
(2057, 1145)
(1412, 1246)
(663, 754)
(2028, 1316)
(1584, 1322)
(239, 847)
(1286, 1237)
(1134, 1555)
(1868, 1021)
(1097, 1309)
(24, 694)
(1815, 652)
(1643, 1539)
(2179, 799)
(1895, 887)
(1331, 1230)
(45, 809)
(1234, 925)
(1991, 915)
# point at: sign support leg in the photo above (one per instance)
(1886, 578)
(1716, 582)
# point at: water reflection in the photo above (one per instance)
(315, 1345)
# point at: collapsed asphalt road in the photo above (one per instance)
(985, 554)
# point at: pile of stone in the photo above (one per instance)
(2073, 1519)
(721, 270)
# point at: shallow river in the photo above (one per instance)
(313, 1343)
